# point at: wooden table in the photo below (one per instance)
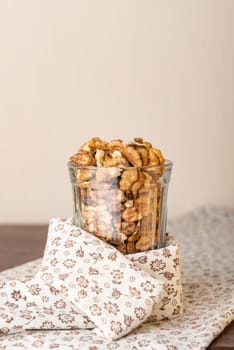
(22, 243)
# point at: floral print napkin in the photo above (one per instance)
(115, 294)
(84, 283)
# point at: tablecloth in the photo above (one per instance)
(206, 239)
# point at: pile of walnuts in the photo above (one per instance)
(118, 192)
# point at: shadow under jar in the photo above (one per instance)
(126, 207)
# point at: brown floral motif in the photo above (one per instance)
(82, 281)
(143, 259)
(177, 310)
(69, 243)
(140, 313)
(116, 293)
(66, 318)
(47, 278)
(56, 241)
(166, 252)
(168, 275)
(7, 319)
(112, 256)
(176, 262)
(165, 301)
(170, 289)
(157, 265)
(116, 327)
(82, 293)
(53, 290)
(96, 289)
(93, 271)
(69, 263)
(16, 294)
(60, 304)
(134, 292)
(34, 289)
(37, 343)
(80, 252)
(143, 343)
(47, 325)
(95, 310)
(113, 308)
(54, 262)
(128, 320)
(75, 233)
(148, 286)
(117, 276)
(27, 314)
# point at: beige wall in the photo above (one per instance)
(70, 70)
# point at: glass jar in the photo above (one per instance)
(126, 207)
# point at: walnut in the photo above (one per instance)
(95, 143)
(134, 237)
(131, 214)
(115, 161)
(139, 141)
(144, 154)
(128, 152)
(84, 175)
(136, 187)
(128, 178)
(145, 208)
(144, 243)
(155, 157)
(128, 227)
(83, 158)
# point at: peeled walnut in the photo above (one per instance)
(115, 159)
(131, 214)
(144, 243)
(128, 152)
(94, 143)
(83, 158)
(128, 178)
(84, 175)
(136, 187)
(138, 141)
(155, 157)
(128, 227)
(133, 238)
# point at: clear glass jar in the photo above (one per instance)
(126, 207)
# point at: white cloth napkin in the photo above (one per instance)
(117, 298)
(115, 294)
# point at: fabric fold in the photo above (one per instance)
(115, 294)
(84, 282)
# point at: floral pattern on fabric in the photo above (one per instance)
(115, 294)
(206, 239)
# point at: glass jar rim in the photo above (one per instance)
(167, 165)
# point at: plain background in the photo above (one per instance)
(71, 70)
